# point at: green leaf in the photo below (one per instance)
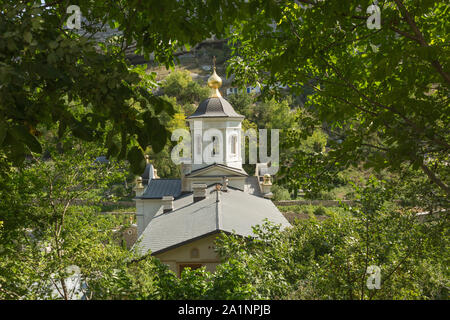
(113, 150)
(159, 138)
(82, 132)
(28, 37)
(158, 103)
(21, 134)
(53, 44)
(61, 129)
(137, 160)
(3, 131)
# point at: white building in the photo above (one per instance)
(179, 219)
(250, 89)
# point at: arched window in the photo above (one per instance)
(198, 144)
(215, 149)
(233, 144)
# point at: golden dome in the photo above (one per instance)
(215, 82)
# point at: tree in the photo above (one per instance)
(295, 150)
(242, 102)
(48, 70)
(329, 259)
(179, 84)
(162, 160)
(383, 92)
(50, 230)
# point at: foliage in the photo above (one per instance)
(282, 115)
(383, 93)
(52, 75)
(242, 102)
(313, 210)
(377, 98)
(162, 160)
(280, 193)
(46, 230)
(49, 72)
(179, 84)
(329, 259)
(44, 233)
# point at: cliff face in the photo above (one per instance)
(135, 59)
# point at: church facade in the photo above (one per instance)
(178, 220)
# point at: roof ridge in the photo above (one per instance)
(223, 109)
(237, 212)
(176, 210)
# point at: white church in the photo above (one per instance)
(178, 220)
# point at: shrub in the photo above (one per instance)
(179, 84)
(280, 193)
(320, 211)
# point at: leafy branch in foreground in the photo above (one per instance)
(47, 69)
(383, 92)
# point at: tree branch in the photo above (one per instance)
(434, 178)
(420, 38)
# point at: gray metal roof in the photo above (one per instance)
(158, 188)
(215, 107)
(252, 186)
(236, 211)
(148, 173)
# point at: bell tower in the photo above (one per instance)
(215, 130)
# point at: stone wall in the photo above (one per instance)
(325, 203)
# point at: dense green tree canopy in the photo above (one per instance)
(381, 95)
(48, 70)
(383, 92)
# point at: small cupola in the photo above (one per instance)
(215, 130)
(215, 105)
